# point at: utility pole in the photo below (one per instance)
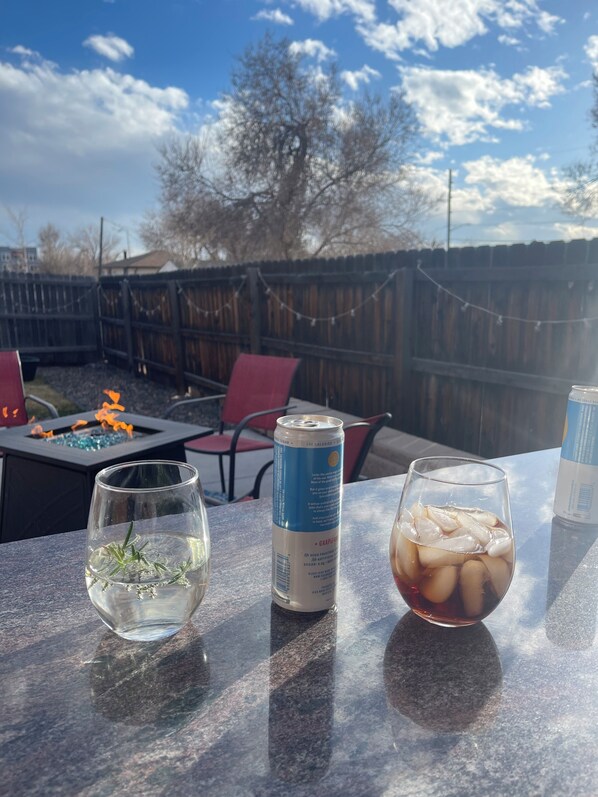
(448, 215)
(101, 246)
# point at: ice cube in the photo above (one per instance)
(442, 518)
(417, 510)
(499, 546)
(406, 558)
(427, 530)
(438, 585)
(462, 543)
(500, 574)
(487, 518)
(471, 580)
(477, 530)
(407, 530)
(439, 557)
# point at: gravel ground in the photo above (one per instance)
(84, 386)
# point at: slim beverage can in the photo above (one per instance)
(306, 509)
(576, 496)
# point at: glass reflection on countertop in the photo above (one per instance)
(443, 680)
(301, 702)
(158, 683)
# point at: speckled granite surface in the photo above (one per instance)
(369, 700)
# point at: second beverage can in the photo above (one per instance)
(308, 469)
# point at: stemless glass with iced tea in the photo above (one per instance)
(451, 549)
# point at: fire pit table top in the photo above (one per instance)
(149, 434)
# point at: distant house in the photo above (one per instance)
(149, 263)
(19, 258)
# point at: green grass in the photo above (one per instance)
(38, 387)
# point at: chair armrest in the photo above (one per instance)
(50, 407)
(188, 402)
(248, 418)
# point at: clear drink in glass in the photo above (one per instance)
(148, 548)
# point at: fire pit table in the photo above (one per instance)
(47, 487)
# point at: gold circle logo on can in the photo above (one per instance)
(333, 459)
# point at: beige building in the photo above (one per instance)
(148, 263)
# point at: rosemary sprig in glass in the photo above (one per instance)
(128, 558)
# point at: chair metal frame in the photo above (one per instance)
(233, 440)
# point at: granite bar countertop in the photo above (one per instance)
(251, 700)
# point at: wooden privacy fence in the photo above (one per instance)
(477, 350)
(53, 317)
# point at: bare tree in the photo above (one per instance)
(17, 235)
(75, 253)
(289, 169)
(580, 198)
(54, 254)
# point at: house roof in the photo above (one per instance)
(155, 260)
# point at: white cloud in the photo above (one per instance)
(276, 16)
(363, 75)
(509, 41)
(591, 50)
(312, 48)
(517, 182)
(24, 51)
(458, 107)
(112, 47)
(81, 141)
(429, 157)
(450, 23)
(363, 10)
(497, 200)
(569, 231)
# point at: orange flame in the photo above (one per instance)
(78, 424)
(37, 431)
(107, 416)
(6, 411)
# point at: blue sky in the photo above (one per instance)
(502, 90)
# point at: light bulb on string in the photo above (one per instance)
(464, 307)
(499, 321)
(537, 326)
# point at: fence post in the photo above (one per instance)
(179, 356)
(402, 374)
(96, 314)
(255, 321)
(128, 321)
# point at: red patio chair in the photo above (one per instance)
(257, 395)
(359, 437)
(13, 410)
(12, 392)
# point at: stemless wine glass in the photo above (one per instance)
(148, 548)
(451, 548)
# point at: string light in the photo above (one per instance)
(18, 307)
(330, 319)
(537, 322)
(204, 311)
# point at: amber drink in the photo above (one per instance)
(452, 560)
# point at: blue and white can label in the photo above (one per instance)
(576, 496)
(308, 467)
